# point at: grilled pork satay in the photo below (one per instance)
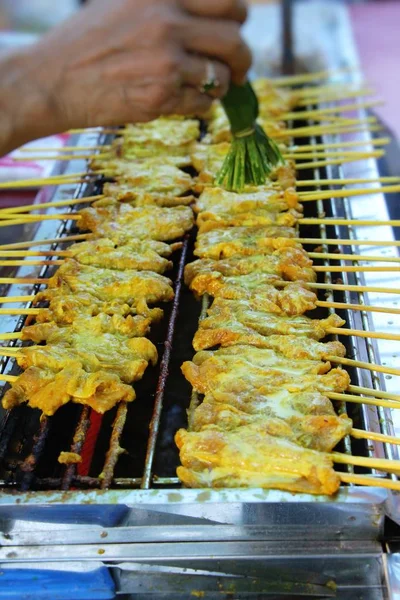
(137, 256)
(243, 326)
(209, 364)
(255, 218)
(48, 390)
(233, 267)
(220, 243)
(125, 192)
(233, 322)
(245, 380)
(291, 264)
(169, 132)
(258, 290)
(319, 432)
(249, 457)
(122, 222)
(220, 201)
(151, 175)
(64, 308)
(108, 285)
(116, 325)
(127, 358)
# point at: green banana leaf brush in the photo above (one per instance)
(253, 155)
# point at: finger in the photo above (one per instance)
(195, 74)
(217, 9)
(192, 102)
(221, 41)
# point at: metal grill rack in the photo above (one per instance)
(149, 530)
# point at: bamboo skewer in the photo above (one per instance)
(339, 161)
(331, 153)
(34, 149)
(8, 378)
(40, 157)
(350, 257)
(11, 222)
(289, 80)
(30, 263)
(363, 365)
(355, 222)
(79, 237)
(369, 481)
(351, 288)
(355, 181)
(330, 95)
(371, 392)
(382, 464)
(355, 269)
(9, 299)
(360, 434)
(27, 253)
(343, 242)
(52, 180)
(383, 141)
(318, 130)
(23, 280)
(17, 335)
(360, 400)
(330, 110)
(19, 311)
(328, 194)
(377, 335)
(361, 307)
(9, 216)
(56, 204)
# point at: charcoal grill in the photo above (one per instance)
(120, 523)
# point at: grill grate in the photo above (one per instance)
(97, 436)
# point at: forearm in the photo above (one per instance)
(26, 110)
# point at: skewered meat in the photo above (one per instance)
(108, 285)
(64, 308)
(125, 192)
(127, 358)
(217, 200)
(122, 222)
(258, 290)
(216, 243)
(234, 322)
(249, 457)
(103, 253)
(149, 176)
(170, 132)
(48, 391)
(240, 377)
(209, 364)
(255, 218)
(287, 263)
(319, 432)
(124, 327)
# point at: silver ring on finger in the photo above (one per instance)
(210, 82)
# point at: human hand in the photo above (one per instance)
(132, 60)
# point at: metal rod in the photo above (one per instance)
(30, 463)
(114, 449)
(164, 367)
(77, 445)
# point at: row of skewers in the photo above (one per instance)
(262, 412)
(251, 261)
